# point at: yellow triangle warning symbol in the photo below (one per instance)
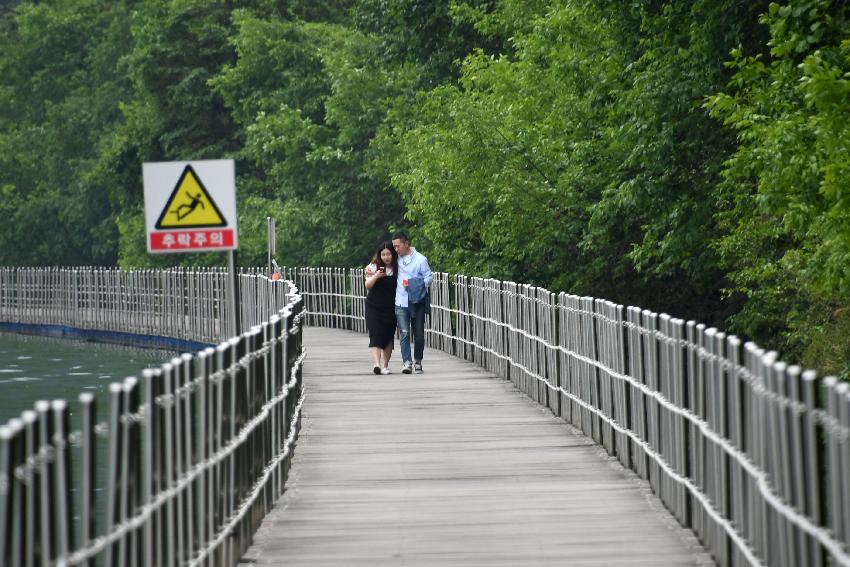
(190, 205)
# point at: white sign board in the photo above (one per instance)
(190, 206)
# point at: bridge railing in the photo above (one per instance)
(751, 453)
(194, 453)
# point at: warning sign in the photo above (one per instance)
(190, 206)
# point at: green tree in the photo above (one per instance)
(785, 190)
(58, 89)
(309, 98)
(172, 113)
(499, 172)
(656, 217)
(432, 35)
(582, 158)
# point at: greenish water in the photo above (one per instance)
(36, 368)
(40, 368)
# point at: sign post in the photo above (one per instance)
(190, 206)
(233, 288)
(272, 241)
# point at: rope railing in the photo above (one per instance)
(750, 453)
(195, 452)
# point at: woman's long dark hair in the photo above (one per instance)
(376, 258)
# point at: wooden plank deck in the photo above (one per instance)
(453, 467)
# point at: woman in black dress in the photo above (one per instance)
(380, 305)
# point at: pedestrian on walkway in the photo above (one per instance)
(412, 301)
(381, 275)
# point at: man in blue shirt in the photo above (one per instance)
(411, 300)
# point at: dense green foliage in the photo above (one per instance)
(690, 157)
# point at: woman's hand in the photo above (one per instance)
(373, 276)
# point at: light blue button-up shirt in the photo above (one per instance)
(414, 265)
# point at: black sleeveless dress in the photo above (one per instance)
(380, 312)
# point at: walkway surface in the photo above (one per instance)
(453, 467)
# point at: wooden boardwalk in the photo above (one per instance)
(453, 467)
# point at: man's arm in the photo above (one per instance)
(425, 272)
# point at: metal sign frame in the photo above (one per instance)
(215, 183)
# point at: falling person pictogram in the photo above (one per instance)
(191, 206)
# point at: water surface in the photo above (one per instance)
(42, 368)
(36, 368)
